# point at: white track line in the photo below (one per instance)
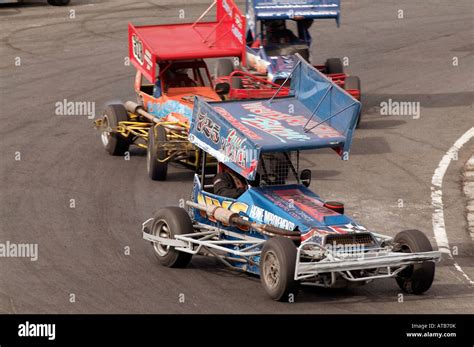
(439, 227)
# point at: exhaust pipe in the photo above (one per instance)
(227, 217)
(135, 108)
(218, 213)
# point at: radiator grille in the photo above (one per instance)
(363, 239)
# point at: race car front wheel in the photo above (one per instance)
(156, 154)
(167, 223)
(277, 268)
(415, 279)
(113, 142)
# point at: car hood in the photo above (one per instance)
(186, 95)
(295, 206)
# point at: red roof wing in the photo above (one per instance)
(223, 38)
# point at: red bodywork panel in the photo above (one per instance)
(156, 43)
(253, 87)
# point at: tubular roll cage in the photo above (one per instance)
(208, 240)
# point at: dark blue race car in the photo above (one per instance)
(278, 228)
(277, 30)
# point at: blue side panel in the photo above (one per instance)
(239, 206)
(164, 109)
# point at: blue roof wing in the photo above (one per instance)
(330, 105)
(289, 9)
(317, 114)
(217, 132)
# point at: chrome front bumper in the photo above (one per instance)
(391, 262)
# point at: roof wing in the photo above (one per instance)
(225, 37)
(330, 105)
(290, 9)
(141, 54)
(218, 133)
(318, 114)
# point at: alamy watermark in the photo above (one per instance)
(19, 250)
(400, 108)
(28, 329)
(75, 108)
(335, 249)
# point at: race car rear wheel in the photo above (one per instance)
(113, 142)
(156, 154)
(334, 65)
(169, 222)
(353, 82)
(224, 67)
(277, 268)
(415, 279)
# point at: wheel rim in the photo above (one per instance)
(271, 270)
(105, 135)
(161, 229)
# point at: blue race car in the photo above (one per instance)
(272, 44)
(278, 228)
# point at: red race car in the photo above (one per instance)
(171, 71)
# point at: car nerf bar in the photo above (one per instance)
(207, 240)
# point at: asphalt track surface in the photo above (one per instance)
(82, 249)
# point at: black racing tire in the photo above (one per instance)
(157, 170)
(59, 2)
(353, 82)
(169, 222)
(277, 268)
(113, 142)
(416, 279)
(334, 65)
(224, 67)
(236, 82)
